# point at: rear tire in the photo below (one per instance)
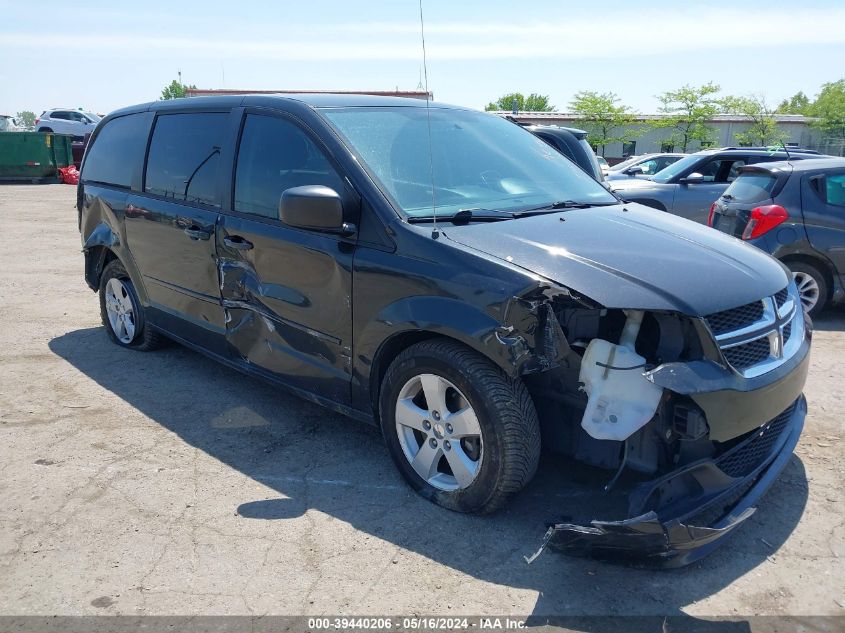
(812, 286)
(45, 129)
(122, 312)
(477, 442)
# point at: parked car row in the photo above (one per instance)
(689, 186)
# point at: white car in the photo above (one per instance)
(605, 167)
(67, 121)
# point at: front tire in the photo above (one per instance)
(462, 433)
(812, 286)
(121, 310)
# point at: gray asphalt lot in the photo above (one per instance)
(164, 483)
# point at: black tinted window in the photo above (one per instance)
(275, 155)
(117, 153)
(184, 157)
(752, 187)
(722, 170)
(59, 115)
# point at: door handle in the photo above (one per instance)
(197, 232)
(237, 242)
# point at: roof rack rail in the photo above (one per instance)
(772, 148)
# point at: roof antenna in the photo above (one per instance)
(434, 232)
(788, 157)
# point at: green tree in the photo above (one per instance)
(763, 129)
(175, 90)
(604, 118)
(687, 111)
(829, 110)
(799, 103)
(531, 103)
(26, 118)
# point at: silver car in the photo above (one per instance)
(643, 166)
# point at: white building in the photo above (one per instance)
(798, 131)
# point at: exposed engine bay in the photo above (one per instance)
(658, 396)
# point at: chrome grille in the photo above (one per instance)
(742, 357)
(735, 318)
(757, 337)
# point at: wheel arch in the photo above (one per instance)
(96, 259)
(390, 349)
(820, 263)
(101, 245)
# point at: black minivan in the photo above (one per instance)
(447, 275)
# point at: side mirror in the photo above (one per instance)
(316, 208)
(692, 179)
(636, 169)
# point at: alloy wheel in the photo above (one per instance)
(808, 289)
(120, 310)
(439, 432)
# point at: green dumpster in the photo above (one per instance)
(34, 155)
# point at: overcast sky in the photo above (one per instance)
(104, 55)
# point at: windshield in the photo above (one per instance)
(665, 175)
(625, 163)
(478, 161)
(92, 116)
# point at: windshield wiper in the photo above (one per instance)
(464, 216)
(564, 204)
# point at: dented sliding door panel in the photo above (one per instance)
(288, 302)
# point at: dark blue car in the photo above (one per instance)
(796, 212)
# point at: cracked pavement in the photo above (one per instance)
(164, 483)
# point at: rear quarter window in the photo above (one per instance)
(752, 187)
(117, 153)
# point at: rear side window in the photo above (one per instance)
(752, 187)
(117, 152)
(185, 156)
(276, 155)
(834, 189)
(722, 170)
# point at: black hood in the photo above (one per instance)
(635, 258)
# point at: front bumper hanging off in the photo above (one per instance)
(696, 507)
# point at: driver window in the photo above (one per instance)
(649, 166)
(276, 155)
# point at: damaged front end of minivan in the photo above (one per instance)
(700, 413)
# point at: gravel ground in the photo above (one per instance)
(165, 483)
